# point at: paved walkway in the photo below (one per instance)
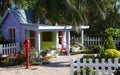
(57, 66)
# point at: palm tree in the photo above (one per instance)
(99, 25)
(4, 4)
(74, 12)
(55, 11)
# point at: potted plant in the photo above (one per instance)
(43, 54)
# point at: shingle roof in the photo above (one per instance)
(22, 16)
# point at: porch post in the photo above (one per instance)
(57, 40)
(68, 42)
(82, 36)
(38, 44)
(64, 38)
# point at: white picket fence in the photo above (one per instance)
(91, 41)
(6, 49)
(103, 68)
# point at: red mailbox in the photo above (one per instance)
(27, 44)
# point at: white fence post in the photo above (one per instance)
(109, 66)
(6, 49)
(96, 67)
(100, 68)
(1, 48)
(84, 63)
(116, 63)
(91, 66)
(72, 67)
(103, 66)
(91, 41)
(78, 68)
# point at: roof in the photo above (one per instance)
(22, 16)
(45, 28)
(26, 19)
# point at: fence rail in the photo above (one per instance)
(100, 68)
(91, 41)
(6, 49)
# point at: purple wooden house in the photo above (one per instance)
(11, 23)
(18, 24)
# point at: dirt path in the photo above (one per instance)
(57, 66)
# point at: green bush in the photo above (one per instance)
(109, 43)
(32, 56)
(97, 48)
(44, 52)
(5, 62)
(12, 60)
(87, 72)
(75, 72)
(87, 56)
(110, 53)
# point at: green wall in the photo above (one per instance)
(47, 44)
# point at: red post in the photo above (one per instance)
(26, 43)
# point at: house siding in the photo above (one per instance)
(11, 22)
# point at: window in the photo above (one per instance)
(12, 35)
(47, 36)
(32, 38)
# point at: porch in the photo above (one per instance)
(40, 29)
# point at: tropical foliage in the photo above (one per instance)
(111, 19)
(109, 34)
(73, 12)
(4, 4)
(110, 53)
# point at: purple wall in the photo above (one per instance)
(11, 22)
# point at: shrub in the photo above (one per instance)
(87, 72)
(44, 52)
(12, 60)
(110, 53)
(97, 48)
(75, 72)
(109, 43)
(87, 56)
(5, 62)
(32, 55)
